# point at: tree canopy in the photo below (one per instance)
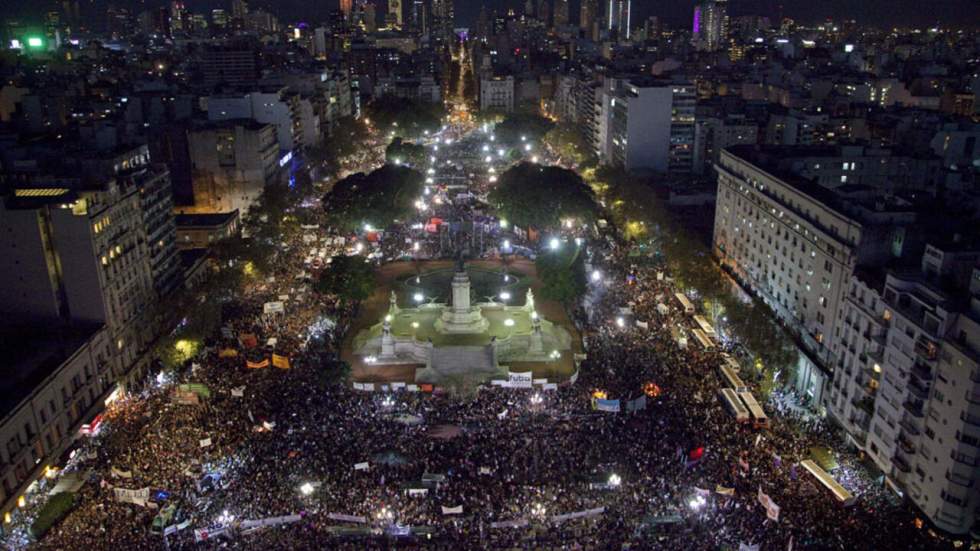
(351, 278)
(517, 125)
(405, 117)
(402, 152)
(541, 196)
(562, 273)
(348, 135)
(378, 198)
(568, 142)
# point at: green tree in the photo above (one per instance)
(379, 198)
(347, 138)
(568, 142)
(405, 118)
(522, 125)
(402, 152)
(541, 196)
(351, 278)
(562, 274)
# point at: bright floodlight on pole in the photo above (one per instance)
(620, 322)
(306, 489)
(596, 276)
(506, 243)
(527, 147)
(697, 502)
(554, 244)
(534, 159)
(488, 158)
(419, 297)
(509, 322)
(503, 223)
(415, 246)
(615, 480)
(504, 295)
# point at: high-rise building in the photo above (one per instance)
(239, 9)
(648, 124)
(395, 13)
(588, 13)
(544, 12)
(179, 20)
(618, 19)
(232, 64)
(561, 13)
(346, 7)
(442, 15)
(83, 249)
(710, 27)
(219, 18)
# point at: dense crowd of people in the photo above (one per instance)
(430, 469)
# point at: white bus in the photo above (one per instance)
(734, 406)
(685, 304)
(705, 326)
(839, 492)
(759, 419)
(703, 339)
(730, 362)
(731, 379)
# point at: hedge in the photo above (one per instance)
(53, 511)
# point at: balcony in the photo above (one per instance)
(970, 419)
(959, 480)
(972, 398)
(926, 350)
(905, 444)
(909, 427)
(918, 390)
(914, 407)
(901, 464)
(923, 372)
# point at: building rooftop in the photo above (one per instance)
(205, 220)
(31, 354)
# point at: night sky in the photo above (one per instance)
(675, 12)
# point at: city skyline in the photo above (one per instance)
(957, 13)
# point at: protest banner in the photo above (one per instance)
(363, 466)
(457, 510)
(228, 353)
(607, 405)
(347, 518)
(138, 497)
(257, 365)
(722, 490)
(282, 362)
(204, 443)
(519, 523)
(238, 392)
(579, 514)
(416, 492)
(273, 308)
(520, 380)
(248, 340)
(119, 473)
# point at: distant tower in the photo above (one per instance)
(619, 18)
(346, 6)
(395, 13)
(710, 29)
(561, 13)
(239, 9)
(587, 15)
(544, 11)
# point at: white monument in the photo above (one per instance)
(461, 338)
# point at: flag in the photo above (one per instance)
(257, 365)
(228, 353)
(282, 362)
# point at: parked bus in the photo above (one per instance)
(685, 304)
(703, 339)
(759, 419)
(730, 362)
(839, 492)
(731, 379)
(734, 406)
(705, 326)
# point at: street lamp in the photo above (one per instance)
(509, 322)
(615, 480)
(419, 297)
(504, 295)
(306, 489)
(554, 243)
(596, 276)
(620, 322)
